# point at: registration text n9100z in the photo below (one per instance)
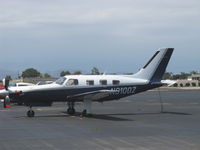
(124, 90)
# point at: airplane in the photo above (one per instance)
(90, 88)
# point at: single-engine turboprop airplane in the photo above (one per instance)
(90, 88)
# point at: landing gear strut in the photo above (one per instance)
(30, 113)
(84, 112)
(87, 111)
(71, 110)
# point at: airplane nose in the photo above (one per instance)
(3, 94)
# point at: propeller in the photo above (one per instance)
(6, 83)
(5, 93)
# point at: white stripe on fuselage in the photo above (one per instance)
(124, 80)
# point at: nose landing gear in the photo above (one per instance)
(30, 113)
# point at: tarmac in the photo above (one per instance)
(132, 123)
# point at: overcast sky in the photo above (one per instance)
(113, 35)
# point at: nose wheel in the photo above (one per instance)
(30, 113)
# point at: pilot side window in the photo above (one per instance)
(103, 82)
(61, 80)
(90, 82)
(72, 82)
(116, 82)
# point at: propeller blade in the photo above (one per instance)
(6, 83)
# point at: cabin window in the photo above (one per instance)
(90, 82)
(60, 80)
(72, 82)
(13, 85)
(116, 82)
(103, 82)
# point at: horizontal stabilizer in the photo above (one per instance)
(168, 82)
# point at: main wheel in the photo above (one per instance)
(84, 113)
(30, 113)
(71, 111)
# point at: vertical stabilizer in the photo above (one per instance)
(156, 66)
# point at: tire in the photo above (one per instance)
(71, 111)
(84, 112)
(30, 113)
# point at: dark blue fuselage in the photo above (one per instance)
(64, 95)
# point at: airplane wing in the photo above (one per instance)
(168, 82)
(94, 95)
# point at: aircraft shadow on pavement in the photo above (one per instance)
(151, 113)
(102, 117)
(110, 117)
(78, 115)
(175, 113)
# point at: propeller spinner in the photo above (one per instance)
(5, 93)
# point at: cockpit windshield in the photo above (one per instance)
(61, 80)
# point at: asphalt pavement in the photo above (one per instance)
(132, 123)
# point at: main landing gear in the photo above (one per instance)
(30, 113)
(87, 111)
(71, 110)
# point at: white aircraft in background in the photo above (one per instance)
(90, 88)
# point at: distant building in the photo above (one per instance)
(194, 77)
(187, 83)
(192, 81)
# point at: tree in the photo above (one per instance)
(168, 75)
(8, 77)
(194, 72)
(46, 75)
(183, 75)
(95, 71)
(77, 73)
(64, 73)
(30, 72)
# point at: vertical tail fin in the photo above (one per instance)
(156, 66)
